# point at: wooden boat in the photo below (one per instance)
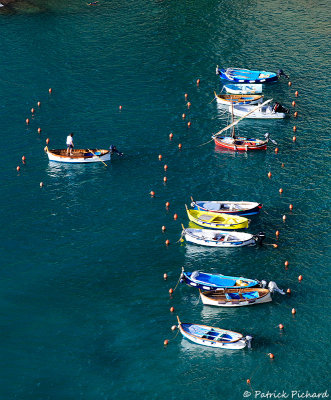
(213, 220)
(241, 143)
(242, 88)
(265, 112)
(227, 99)
(228, 207)
(213, 238)
(235, 297)
(213, 337)
(78, 155)
(248, 76)
(205, 281)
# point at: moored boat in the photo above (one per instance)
(213, 337)
(248, 76)
(227, 99)
(206, 281)
(240, 88)
(223, 239)
(266, 112)
(78, 155)
(235, 297)
(228, 207)
(213, 220)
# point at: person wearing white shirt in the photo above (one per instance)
(70, 144)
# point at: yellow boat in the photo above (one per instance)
(214, 220)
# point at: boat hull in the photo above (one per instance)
(238, 99)
(81, 156)
(212, 220)
(247, 76)
(237, 343)
(207, 237)
(265, 113)
(243, 88)
(215, 281)
(219, 298)
(243, 208)
(240, 143)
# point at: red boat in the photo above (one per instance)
(241, 143)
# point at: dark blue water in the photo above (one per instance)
(84, 307)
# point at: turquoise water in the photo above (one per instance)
(85, 309)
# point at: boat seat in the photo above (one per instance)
(205, 217)
(232, 296)
(250, 295)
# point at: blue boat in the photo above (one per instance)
(248, 76)
(206, 281)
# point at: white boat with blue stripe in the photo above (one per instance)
(213, 337)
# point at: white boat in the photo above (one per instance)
(236, 297)
(78, 155)
(213, 337)
(244, 88)
(218, 238)
(263, 112)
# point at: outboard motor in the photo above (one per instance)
(280, 73)
(113, 150)
(278, 108)
(263, 284)
(248, 340)
(259, 237)
(267, 136)
(272, 286)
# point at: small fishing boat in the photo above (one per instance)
(238, 99)
(241, 88)
(276, 111)
(213, 238)
(235, 297)
(212, 220)
(241, 143)
(228, 207)
(78, 155)
(205, 281)
(214, 337)
(248, 76)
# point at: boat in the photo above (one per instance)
(213, 238)
(205, 281)
(242, 88)
(276, 111)
(235, 297)
(248, 76)
(238, 98)
(238, 143)
(213, 337)
(228, 207)
(212, 220)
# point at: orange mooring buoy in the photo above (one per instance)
(294, 311)
(175, 216)
(198, 82)
(290, 207)
(296, 93)
(188, 104)
(277, 233)
(171, 291)
(39, 130)
(269, 174)
(165, 276)
(271, 356)
(174, 327)
(189, 124)
(47, 141)
(281, 326)
(248, 381)
(293, 103)
(41, 184)
(166, 342)
(290, 83)
(183, 116)
(120, 108)
(167, 242)
(27, 121)
(50, 90)
(23, 159)
(171, 135)
(284, 218)
(288, 291)
(295, 114)
(167, 204)
(276, 150)
(18, 168)
(286, 263)
(163, 228)
(186, 96)
(172, 309)
(294, 138)
(280, 190)
(179, 145)
(275, 245)
(300, 278)
(294, 128)
(160, 156)
(165, 167)
(38, 104)
(32, 110)
(165, 179)
(152, 193)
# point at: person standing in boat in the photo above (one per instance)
(70, 144)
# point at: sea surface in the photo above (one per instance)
(84, 306)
